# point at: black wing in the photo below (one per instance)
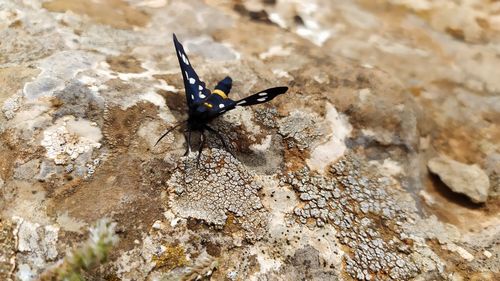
(195, 88)
(222, 106)
(262, 96)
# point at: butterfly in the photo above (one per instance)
(205, 105)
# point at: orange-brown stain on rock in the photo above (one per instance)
(120, 126)
(7, 244)
(6, 167)
(116, 13)
(175, 100)
(231, 226)
(455, 263)
(118, 85)
(458, 141)
(174, 256)
(456, 33)
(16, 24)
(13, 79)
(125, 64)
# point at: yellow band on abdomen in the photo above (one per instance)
(220, 93)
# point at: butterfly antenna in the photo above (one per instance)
(169, 130)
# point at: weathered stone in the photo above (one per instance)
(470, 180)
(87, 87)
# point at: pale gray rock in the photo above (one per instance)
(470, 180)
(37, 246)
(28, 170)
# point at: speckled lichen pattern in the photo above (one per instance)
(220, 185)
(63, 146)
(367, 218)
(301, 129)
(267, 116)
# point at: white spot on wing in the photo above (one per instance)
(241, 102)
(200, 87)
(192, 97)
(262, 99)
(221, 105)
(184, 59)
(187, 75)
(191, 81)
(202, 95)
(263, 94)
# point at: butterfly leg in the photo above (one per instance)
(188, 141)
(200, 149)
(210, 129)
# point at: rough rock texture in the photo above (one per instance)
(217, 187)
(466, 179)
(359, 206)
(328, 182)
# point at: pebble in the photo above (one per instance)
(157, 225)
(487, 254)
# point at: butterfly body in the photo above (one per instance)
(205, 105)
(212, 106)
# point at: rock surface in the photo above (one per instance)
(329, 182)
(466, 179)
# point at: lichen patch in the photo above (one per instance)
(69, 138)
(366, 216)
(218, 187)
